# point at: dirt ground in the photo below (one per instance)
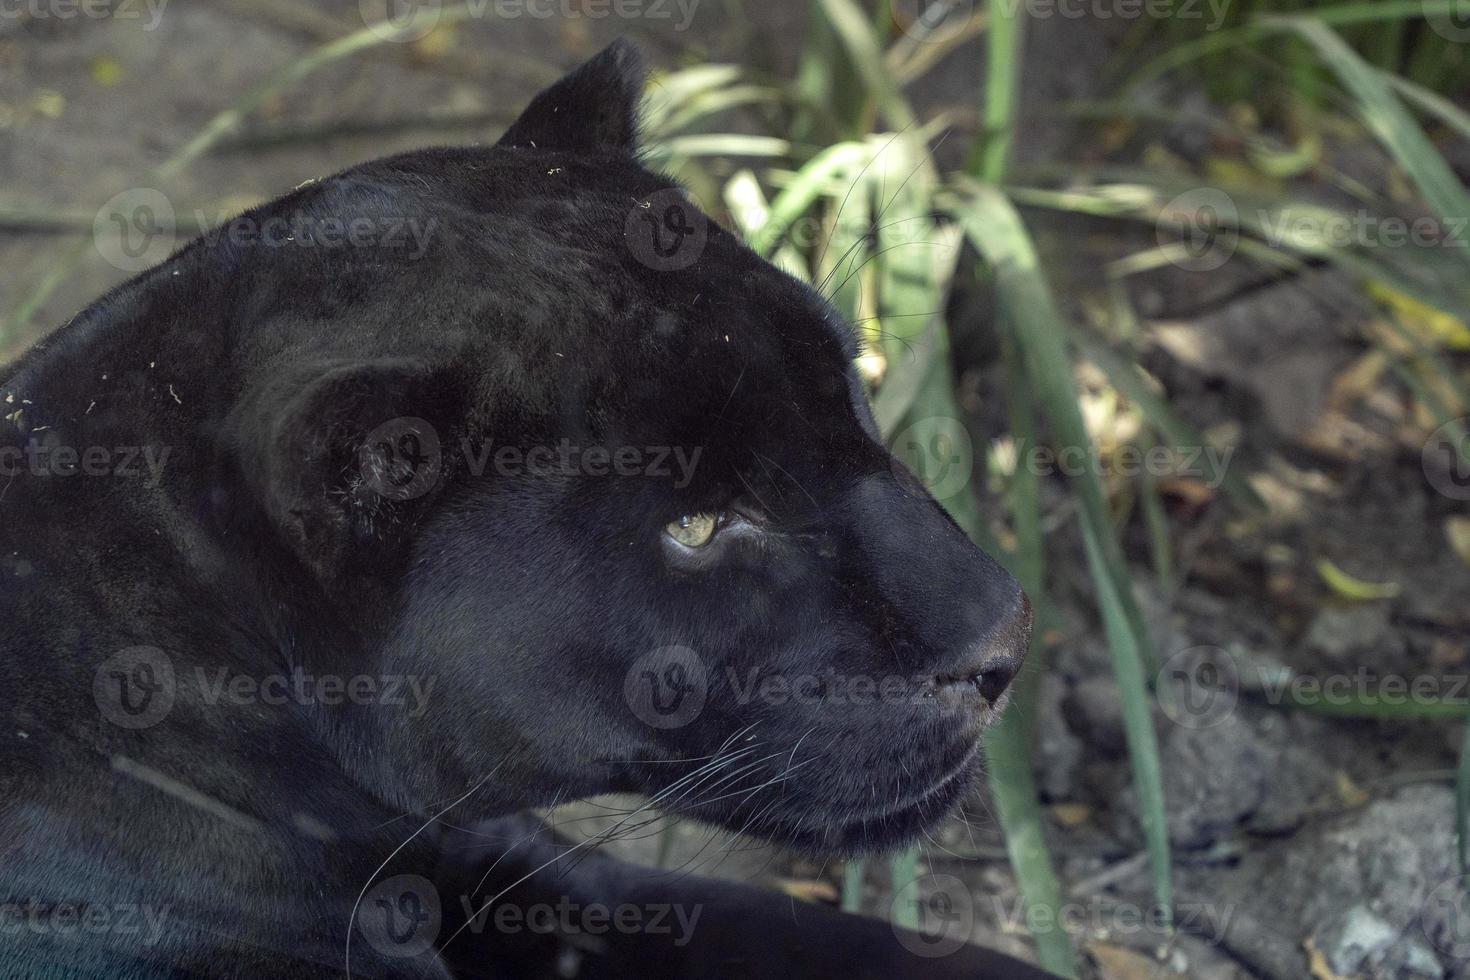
(1307, 845)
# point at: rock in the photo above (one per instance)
(1213, 778)
(1058, 750)
(1285, 344)
(1394, 858)
(1409, 958)
(1094, 711)
(1353, 938)
(1249, 769)
(1344, 632)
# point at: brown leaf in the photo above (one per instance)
(1120, 963)
(814, 890)
(1317, 963)
(1457, 530)
(1071, 814)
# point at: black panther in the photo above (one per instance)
(324, 552)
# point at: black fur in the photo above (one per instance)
(282, 533)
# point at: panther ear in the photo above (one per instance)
(593, 108)
(344, 457)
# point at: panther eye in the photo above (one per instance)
(693, 530)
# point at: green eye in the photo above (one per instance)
(693, 530)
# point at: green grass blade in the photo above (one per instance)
(1431, 102)
(1030, 316)
(919, 387)
(1369, 705)
(1003, 81)
(1157, 524)
(1384, 115)
(1009, 747)
(1138, 725)
(670, 92)
(712, 103)
(995, 228)
(809, 184)
(866, 55)
(852, 885)
(903, 872)
(1340, 15)
(718, 145)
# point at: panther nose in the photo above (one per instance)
(995, 677)
(995, 663)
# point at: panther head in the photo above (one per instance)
(612, 480)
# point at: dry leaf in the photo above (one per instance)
(1349, 792)
(1071, 814)
(1431, 326)
(1120, 963)
(814, 890)
(1457, 530)
(1317, 963)
(1187, 488)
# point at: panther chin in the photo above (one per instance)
(884, 829)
